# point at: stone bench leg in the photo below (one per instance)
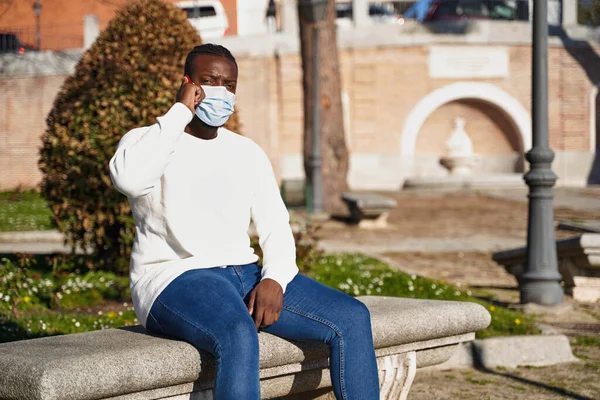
(374, 223)
(396, 375)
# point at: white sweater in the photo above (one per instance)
(192, 201)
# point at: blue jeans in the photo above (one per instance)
(208, 309)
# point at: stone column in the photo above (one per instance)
(289, 17)
(91, 30)
(569, 12)
(360, 13)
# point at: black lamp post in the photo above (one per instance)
(37, 10)
(540, 281)
(313, 11)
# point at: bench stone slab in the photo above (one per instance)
(578, 263)
(130, 363)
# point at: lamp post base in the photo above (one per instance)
(541, 292)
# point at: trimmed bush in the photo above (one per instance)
(125, 80)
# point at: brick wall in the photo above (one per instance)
(383, 87)
(61, 21)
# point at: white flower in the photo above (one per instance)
(7, 298)
(99, 312)
(77, 324)
(413, 276)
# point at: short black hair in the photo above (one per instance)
(210, 49)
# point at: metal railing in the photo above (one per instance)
(51, 37)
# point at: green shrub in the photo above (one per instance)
(307, 248)
(125, 80)
(589, 14)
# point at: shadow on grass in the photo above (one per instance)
(11, 331)
(44, 263)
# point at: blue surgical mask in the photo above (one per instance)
(217, 106)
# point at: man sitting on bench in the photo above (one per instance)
(193, 187)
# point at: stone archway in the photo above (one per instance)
(484, 92)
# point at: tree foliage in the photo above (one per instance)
(588, 12)
(125, 80)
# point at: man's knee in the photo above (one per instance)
(239, 337)
(355, 316)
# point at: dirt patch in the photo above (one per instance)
(572, 380)
(468, 269)
(437, 215)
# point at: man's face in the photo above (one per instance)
(209, 70)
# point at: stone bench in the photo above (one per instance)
(578, 263)
(369, 210)
(129, 363)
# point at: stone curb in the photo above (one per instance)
(51, 236)
(468, 244)
(511, 352)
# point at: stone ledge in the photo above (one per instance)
(511, 352)
(129, 363)
(578, 263)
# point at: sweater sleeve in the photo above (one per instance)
(272, 222)
(143, 154)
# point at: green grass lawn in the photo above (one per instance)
(24, 211)
(53, 295)
(359, 275)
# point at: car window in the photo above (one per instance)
(471, 9)
(343, 10)
(200, 12)
(377, 10)
(499, 10)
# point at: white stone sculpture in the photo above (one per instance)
(459, 158)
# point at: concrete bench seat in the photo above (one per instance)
(369, 210)
(578, 263)
(130, 363)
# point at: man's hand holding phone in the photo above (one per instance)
(190, 94)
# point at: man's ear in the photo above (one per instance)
(188, 79)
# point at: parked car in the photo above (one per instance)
(379, 13)
(10, 43)
(472, 9)
(207, 16)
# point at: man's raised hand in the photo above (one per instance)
(190, 94)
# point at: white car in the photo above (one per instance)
(207, 16)
(379, 13)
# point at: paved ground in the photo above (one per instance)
(451, 236)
